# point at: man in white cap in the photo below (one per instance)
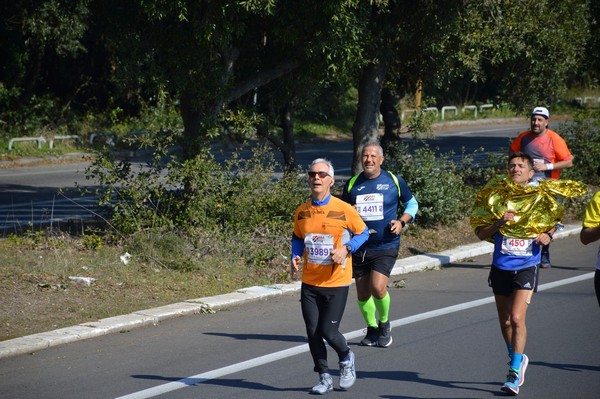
(549, 152)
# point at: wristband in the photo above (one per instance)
(549, 234)
(549, 166)
(403, 223)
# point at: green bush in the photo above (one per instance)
(435, 181)
(236, 212)
(240, 195)
(583, 138)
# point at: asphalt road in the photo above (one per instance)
(46, 194)
(447, 344)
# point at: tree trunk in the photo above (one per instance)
(33, 72)
(191, 117)
(366, 124)
(391, 119)
(288, 149)
(286, 145)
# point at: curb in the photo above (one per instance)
(36, 342)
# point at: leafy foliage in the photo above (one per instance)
(434, 180)
(239, 202)
(583, 139)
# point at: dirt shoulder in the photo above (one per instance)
(38, 293)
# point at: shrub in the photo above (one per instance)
(583, 138)
(235, 212)
(239, 195)
(435, 182)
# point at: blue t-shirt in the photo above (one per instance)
(377, 202)
(514, 254)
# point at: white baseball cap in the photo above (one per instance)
(541, 111)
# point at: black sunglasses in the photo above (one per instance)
(321, 174)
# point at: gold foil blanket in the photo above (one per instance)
(537, 208)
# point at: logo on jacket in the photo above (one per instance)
(317, 239)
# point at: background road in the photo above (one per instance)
(447, 344)
(30, 194)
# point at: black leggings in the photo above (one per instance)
(322, 310)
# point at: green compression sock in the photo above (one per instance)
(383, 307)
(367, 308)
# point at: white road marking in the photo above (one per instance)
(261, 360)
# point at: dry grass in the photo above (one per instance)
(37, 295)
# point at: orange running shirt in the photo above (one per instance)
(324, 226)
(549, 147)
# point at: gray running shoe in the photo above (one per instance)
(385, 334)
(372, 337)
(325, 385)
(347, 372)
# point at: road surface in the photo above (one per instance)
(447, 344)
(46, 195)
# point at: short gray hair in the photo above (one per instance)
(373, 144)
(326, 162)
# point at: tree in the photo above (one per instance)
(40, 39)
(210, 54)
(268, 56)
(490, 41)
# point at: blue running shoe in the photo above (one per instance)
(511, 386)
(524, 365)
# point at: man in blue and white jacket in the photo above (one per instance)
(378, 196)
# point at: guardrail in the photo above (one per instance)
(582, 101)
(470, 107)
(431, 109)
(70, 137)
(485, 106)
(109, 137)
(473, 109)
(449, 108)
(40, 140)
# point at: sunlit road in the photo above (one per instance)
(447, 344)
(29, 195)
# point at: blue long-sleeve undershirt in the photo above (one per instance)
(411, 207)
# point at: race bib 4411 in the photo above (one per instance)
(370, 206)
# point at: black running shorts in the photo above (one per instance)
(382, 261)
(504, 282)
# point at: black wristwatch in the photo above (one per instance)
(348, 248)
(403, 223)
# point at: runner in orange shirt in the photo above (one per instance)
(326, 232)
(549, 152)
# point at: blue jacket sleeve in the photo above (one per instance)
(358, 240)
(411, 207)
(297, 247)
